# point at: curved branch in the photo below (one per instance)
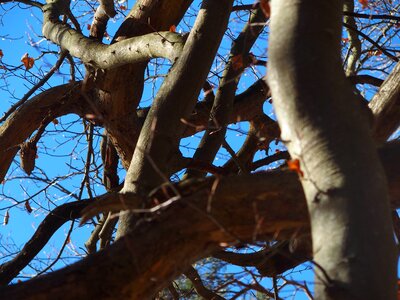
(53, 221)
(91, 51)
(199, 286)
(54, 102)
(27, 2)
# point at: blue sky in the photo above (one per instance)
(61, 152)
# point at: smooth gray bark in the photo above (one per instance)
(324, 128)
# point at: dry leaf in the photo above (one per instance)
(294, 165)
(1, 54)
(27, 61)
(364, 3)
(28, 156)
(28, 206)
(172, 28)
(237, 62)
(266, 9)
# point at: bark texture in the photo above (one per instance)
(325, 129)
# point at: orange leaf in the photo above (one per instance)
(294, 165)
(27, 61)
(237, 62)
(55, 121)
(364, 3)
(122, 7)
(6, 218)
(88, 26)
(28, 206)
(1, 54)
(172, 28)
(345, 40)
(264, 4)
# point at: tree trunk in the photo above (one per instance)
(325, 129)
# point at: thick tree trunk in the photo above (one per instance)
(325, 129)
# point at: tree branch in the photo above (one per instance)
(92, 52)
(385, 106)
(54, 102)
(53, 221)
(203, 291)
(150, 256)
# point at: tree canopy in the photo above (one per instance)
(200, 149)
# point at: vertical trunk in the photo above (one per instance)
(325, 129)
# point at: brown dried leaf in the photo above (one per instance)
(28, 207)
(27, 61)
(28, 156)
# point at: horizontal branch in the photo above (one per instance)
(91, 51)
(371, 16)
(365, 79)
(243, 208)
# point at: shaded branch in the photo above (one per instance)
(365, 79)
(141, 266)
(271, 261)
(53, 221)
(199, 286)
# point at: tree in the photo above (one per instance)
(331, 203)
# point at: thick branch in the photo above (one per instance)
(133, 50)
(162, 247)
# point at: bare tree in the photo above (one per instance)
(319, 185)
